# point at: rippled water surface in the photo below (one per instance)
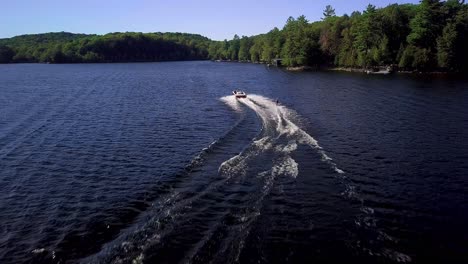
(157, 163)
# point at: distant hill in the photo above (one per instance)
(64, 47)
(45, 38)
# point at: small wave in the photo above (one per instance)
(288, 148)
(287, 166)
(233, 166)
(38, 250)
(263, 143)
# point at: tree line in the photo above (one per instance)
(432, 35)
(66, 47)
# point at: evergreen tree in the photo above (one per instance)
(426, 25)
(328, 12)
(234, 46)
(244, 47)
(446, 47)
(298, 41)
(367, 35)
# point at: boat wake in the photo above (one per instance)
(279, 134)
(222, 194)
(208, 213)
(279, 139)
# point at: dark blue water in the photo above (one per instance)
(156, 163)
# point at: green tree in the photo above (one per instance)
(446, 47)
(331, 37)
(461, 52)
(298, 43)
(347, 55)
(256, 49)
(381, 53)
(452, 43)
(422, 59)
(6, 54)
(426, 25)
(234, 46)
(223, 50)
(367, 36)
(213, 50)
(244, 47)
(395, 27)
(407, 58)
(328, 12)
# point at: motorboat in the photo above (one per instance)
(239, 94)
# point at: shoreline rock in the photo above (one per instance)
(300, 68)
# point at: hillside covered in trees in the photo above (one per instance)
(66, 47)
(430, 36)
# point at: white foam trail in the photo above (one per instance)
(280, 138)
(280, 116)
(288, 166)
(232, 102)
(263, 144)
(288, 148)
(277, 126)
(233, 166)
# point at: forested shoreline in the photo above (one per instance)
(63, 47)
(430, 36)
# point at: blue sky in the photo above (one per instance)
(216, 19)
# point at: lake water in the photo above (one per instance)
(157, 163)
